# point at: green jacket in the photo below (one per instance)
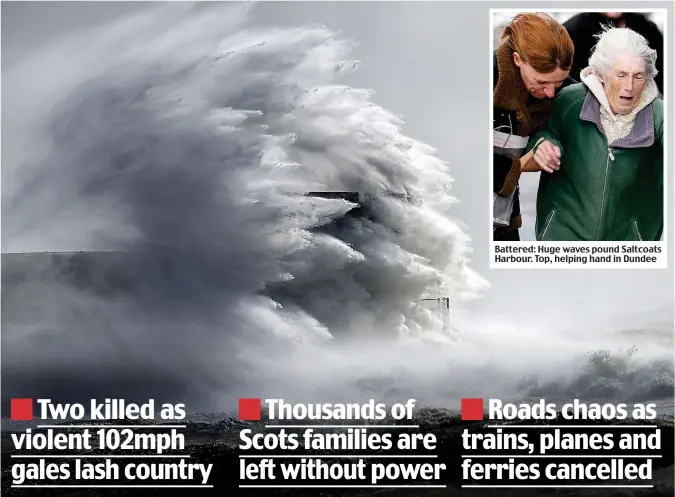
(600, 192)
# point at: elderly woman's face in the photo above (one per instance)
(624, 84)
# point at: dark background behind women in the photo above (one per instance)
(584, 27)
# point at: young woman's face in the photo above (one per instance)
(540, 85)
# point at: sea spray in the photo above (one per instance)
(182, 148)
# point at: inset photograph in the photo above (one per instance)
(578, 126)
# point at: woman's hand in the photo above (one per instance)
(548, 156)
(527, 162)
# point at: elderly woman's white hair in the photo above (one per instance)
(614, 43)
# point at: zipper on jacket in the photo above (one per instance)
(547, 223)
(637, 230)
(610, 156)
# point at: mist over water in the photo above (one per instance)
(185, 144)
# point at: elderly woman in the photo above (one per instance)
(601, 149)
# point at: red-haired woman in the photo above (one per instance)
(530, 67)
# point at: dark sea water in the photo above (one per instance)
(214, 439)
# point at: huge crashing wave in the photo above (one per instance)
(204, 145)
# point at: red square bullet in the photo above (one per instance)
(21, 410)
(249, 409)
(472, 409)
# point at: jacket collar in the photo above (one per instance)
(509, 87)
(642, 134)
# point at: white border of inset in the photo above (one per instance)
(662, 259)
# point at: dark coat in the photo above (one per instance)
(514, 117)
(582, 28)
